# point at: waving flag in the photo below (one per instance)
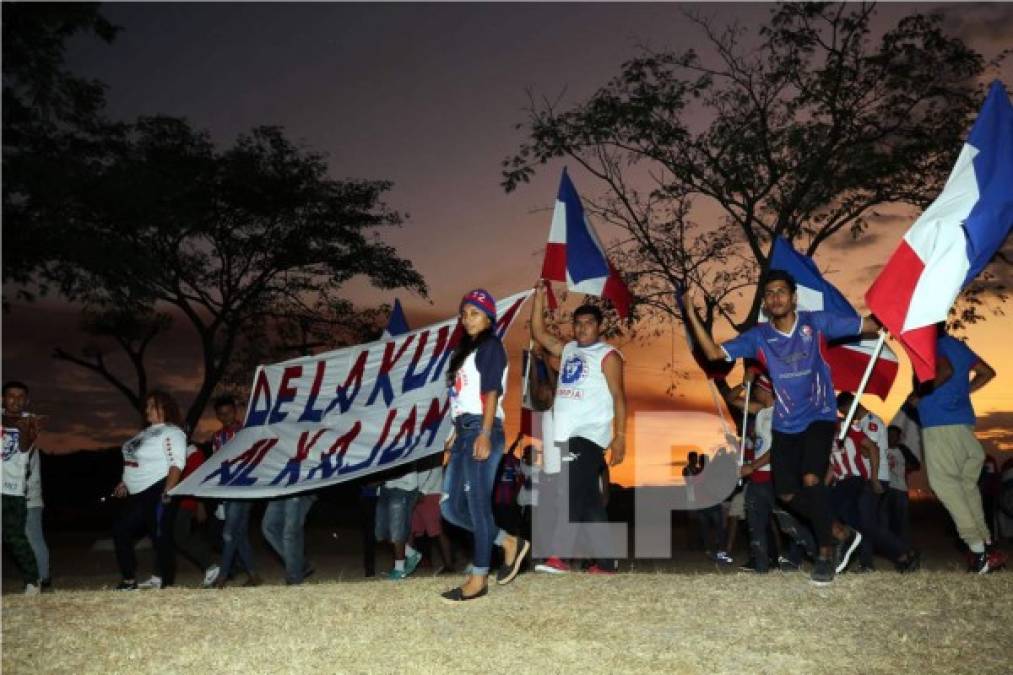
(954, 238)
(397, 324)
(714, 370)
(574, 254)
(847, 359)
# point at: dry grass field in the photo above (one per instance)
(929, 622)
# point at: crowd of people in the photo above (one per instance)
(807, 491)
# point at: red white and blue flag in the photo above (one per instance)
(397, 324)
(574, 253)
(953, 240)
(847, 359)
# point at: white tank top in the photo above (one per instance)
(583, 405)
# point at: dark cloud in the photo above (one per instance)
(981, 24)
(995, 430)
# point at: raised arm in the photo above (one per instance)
(710, 348)
(538, 330)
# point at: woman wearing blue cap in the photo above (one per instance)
(477, 378)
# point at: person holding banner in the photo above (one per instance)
(477, 377)
(153, 462)
(236, 528)
(805, 411)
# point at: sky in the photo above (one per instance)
(427, 96)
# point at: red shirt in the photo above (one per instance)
(193, 460)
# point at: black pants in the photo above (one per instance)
(797, 455)
(508, 517)
(876, 538)
(759, 506)
(712, 528)
(895, 512)
(190, 538)
(585, 497)
(15, 541)
(145, 513)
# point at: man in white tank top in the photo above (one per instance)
(589, 416)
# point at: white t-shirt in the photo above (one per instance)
(409, 480)
(431, 481)
(16, 464)
(898, 469)
(583, 405)
(764, 429)
(148, 456)
(484, 370)
(872, 426)
(910, 432)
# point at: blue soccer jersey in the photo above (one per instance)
(796, 361)
(950, 402)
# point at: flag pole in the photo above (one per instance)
(861, 387)
(745, 419)
(717, 406)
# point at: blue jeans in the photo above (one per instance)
(284, 528)
(236, 536)
(467, 489)
(33, 530)
(394, 514)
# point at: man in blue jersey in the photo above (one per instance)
(791, 346)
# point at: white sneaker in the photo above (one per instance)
(153, 582)
(211, 576)
(32, 589)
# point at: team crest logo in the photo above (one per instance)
(807, 332)
(10, 444)
(574, 370)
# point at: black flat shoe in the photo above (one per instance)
(508, 573)
(455, 595)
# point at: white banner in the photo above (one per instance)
(320, 420)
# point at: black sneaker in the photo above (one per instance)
(127, 586)
(861, 568)
(913, 562)
(979, 564)
(844, 548)
(749, 566)
(823, 572)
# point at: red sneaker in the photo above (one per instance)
(601, 571)
(553, 566)
(996, 559)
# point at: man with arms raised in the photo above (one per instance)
(805, 413)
